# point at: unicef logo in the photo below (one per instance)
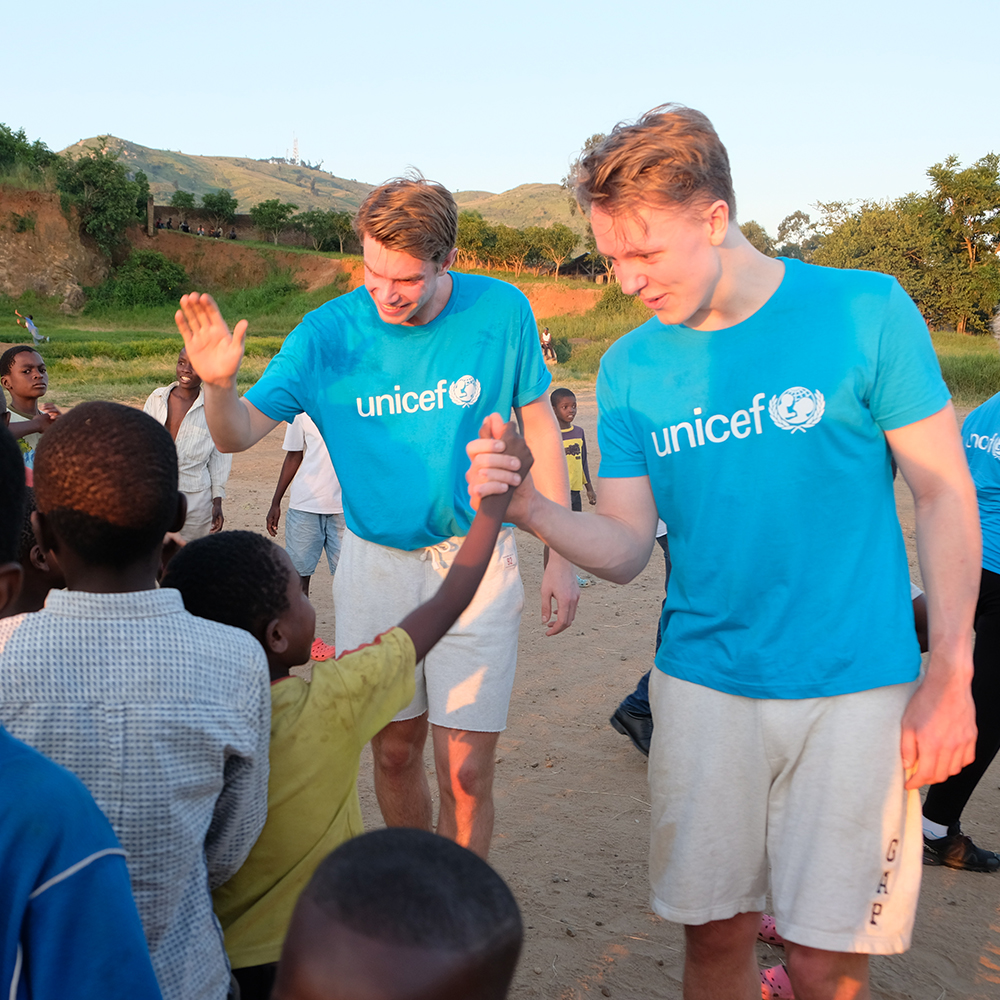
(465, 391)
(797, 409)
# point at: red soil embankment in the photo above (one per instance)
(219, 263)
(48, 255)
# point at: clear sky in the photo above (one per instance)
(815, 100)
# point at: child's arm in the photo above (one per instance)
(431, 620)
(591, 495)
(293, 459)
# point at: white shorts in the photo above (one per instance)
(198, 522)
(807, 791)
(466, 680)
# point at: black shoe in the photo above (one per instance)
(638, 728)
(958, 851)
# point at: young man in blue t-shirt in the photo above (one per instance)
(756, 413)
(397, 375)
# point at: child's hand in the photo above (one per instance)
(273, 517)
(591, 496)
(516, 446)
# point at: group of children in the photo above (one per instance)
(164, 687)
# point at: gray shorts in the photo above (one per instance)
(466, 680)
(803, 796)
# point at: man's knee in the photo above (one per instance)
(818, 973)
(735, 936)
(400, 746)
(467, 760)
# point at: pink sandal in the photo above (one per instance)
(775, 984)
(322, 651)
(768, 933)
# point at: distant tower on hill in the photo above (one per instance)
(295, 150)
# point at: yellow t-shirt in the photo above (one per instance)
(318, 731)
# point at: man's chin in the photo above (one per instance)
(396, 316)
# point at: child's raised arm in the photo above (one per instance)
(428, 623)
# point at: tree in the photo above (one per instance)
(182, 199)
(142, 194)
(324, 227)
(16, 151)
(758, 238)
(797, 236)
(966, 219)
(221, 207)
(476, 240)
(272, 216)
(556, 242)
(106, 199)
(512, 248)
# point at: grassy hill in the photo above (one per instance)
(252, 181)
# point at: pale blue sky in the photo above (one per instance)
(815, 100)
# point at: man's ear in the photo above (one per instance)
(717, 218)
(180, 515)
(449, 262)
(11, 575)
(274, 637)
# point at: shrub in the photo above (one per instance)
(563, 349)
(146, 278)
(616, 302)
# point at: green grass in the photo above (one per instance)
(970, 365)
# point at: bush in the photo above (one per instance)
(146, 278)
(563, 349)
(616, 302)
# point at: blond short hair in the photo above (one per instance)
(672, 156)
(412, 215)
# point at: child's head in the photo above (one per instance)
(243, 579)
(106, 487)
(23, 374)
(187, 377)
(401, 914)
(564, 403)
(41, 574)
(11, 516)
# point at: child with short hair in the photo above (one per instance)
(68, 922)
(24, 376)
(402, 913)
(318, 730)
(39, 575)
(163, 716)
(575, 445)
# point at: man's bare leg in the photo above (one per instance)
(400, 779)
(465, 763)
(720, 963)
(826, 975)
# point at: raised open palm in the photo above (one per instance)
(214, 352)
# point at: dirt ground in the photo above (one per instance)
(572, 801)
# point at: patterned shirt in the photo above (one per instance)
(165, 718)
(201, 465)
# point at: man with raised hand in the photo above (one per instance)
(757, 412)
(397, 375)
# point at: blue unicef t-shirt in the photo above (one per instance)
(764, 447)
(396, 405)
(981, 434)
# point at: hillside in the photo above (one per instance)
(252, 181)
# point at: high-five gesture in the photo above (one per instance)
(214, 352)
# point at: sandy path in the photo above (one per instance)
(572, 815)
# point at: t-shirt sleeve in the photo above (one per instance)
(278, 393)
(295, 439)
(908, 384)
(379, 679)
(622, 456)
(533, 376)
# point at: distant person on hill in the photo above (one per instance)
(24, 376)
(185, 228)
(29, 325)
(548, 351)
(318, 730)
(756, 413)
(170, 223)
(204, 470)
(393, 374)
(201, 230)
(400, 914)
(232, 234)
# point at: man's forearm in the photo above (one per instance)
(598, 543)
(949, 547)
